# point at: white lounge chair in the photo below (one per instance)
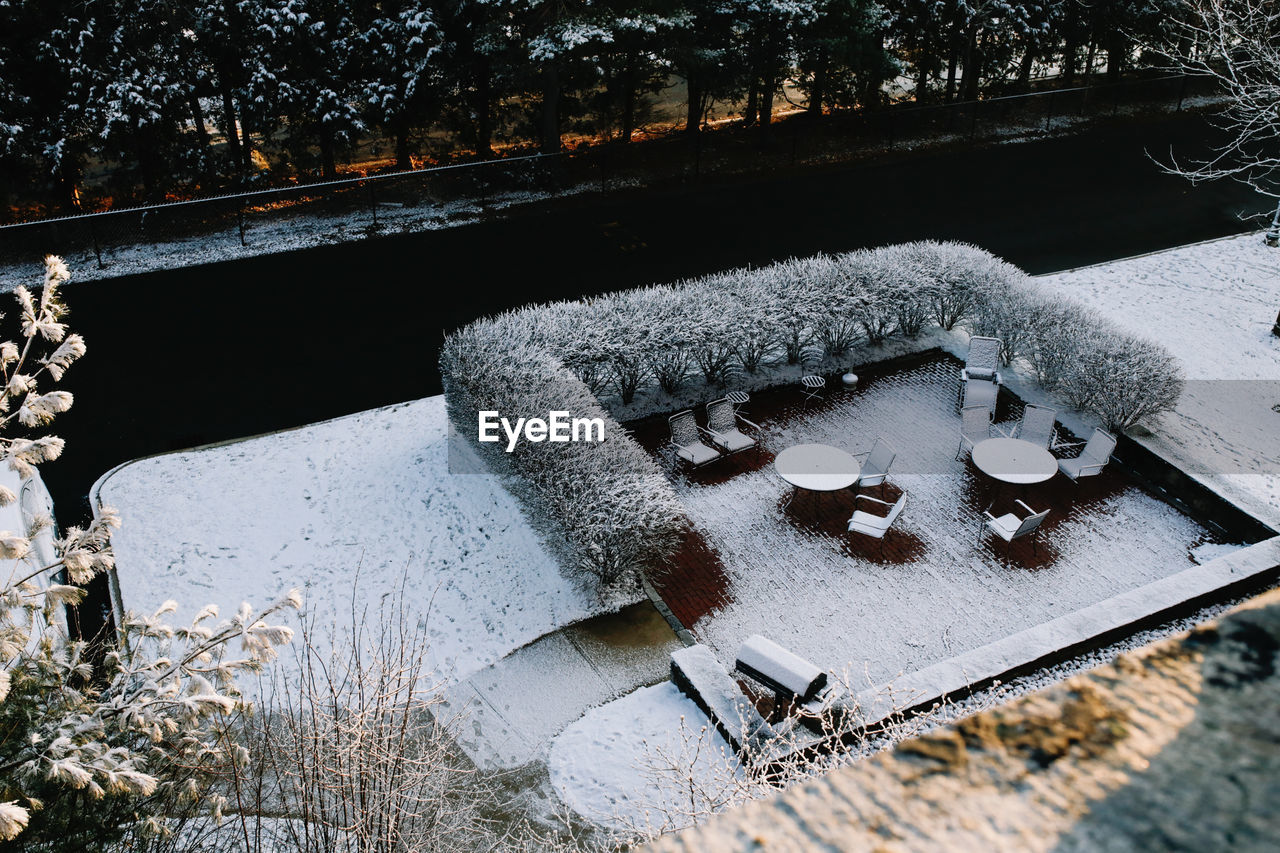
(687, 442)
(975, 426)
(875, 471)
(1010, 527)
(1092, 459)
(723, 427)
(876, 526)
(1037, 426)
(983, 361)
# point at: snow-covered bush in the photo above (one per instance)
(613, 504)
(88, 749)
(617, 509)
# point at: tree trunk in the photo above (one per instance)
(328, 167)
(229, 130)
(1089, 57)
(484, 108)
(550, 108)
(1117, 51)
(952, 59)
(202, 132)
(817, 92)
(403, 159)
(628, 103)
(1071, 47)
(693, 104)
(969, 83)
(767, 90)
(753, 105)
(922, 79)
(1024, 69)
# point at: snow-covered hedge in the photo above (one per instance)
(612, 502)
(615, 505)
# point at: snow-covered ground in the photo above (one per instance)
(643, 762)
(277, 232)
(1212, 304)
(373, 492)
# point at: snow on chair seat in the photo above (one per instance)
(687, 442)
(778, 669)
(1095, 456)
(723, 427)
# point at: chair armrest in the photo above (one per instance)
(999, 379)
(995, 426)
(857, 498)
(752, 424)
(708, 433)
(1024, 506)
(1092, 465)
(988, 514)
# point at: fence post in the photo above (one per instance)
(1048, 111)
(240, 221)
(97, 249)
(373, 203)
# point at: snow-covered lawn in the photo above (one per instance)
(1212, 304)
(639, 761)
(373, 492)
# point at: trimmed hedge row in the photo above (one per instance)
(617, 508)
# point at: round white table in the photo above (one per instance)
(817, 468)
(1011, 460)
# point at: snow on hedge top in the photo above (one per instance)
(772, 660)
(370, 493)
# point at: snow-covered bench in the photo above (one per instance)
(781, 671)
(700, 676)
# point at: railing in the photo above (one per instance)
(138, 238)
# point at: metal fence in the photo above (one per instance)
(307, 214)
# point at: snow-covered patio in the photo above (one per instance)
(939, 589)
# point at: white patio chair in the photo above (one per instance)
(723, 427)
(876, 526)
(812, 387)
(979, 392)
(1037, 426)
(1009, 527)
(875, 471)
(983, 361)
(686, 441)
(975, 426)
(1092, 459)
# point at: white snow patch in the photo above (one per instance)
(371, 492)
(1210, 551)
(1213, 305)
(609, 765)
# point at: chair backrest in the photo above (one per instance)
(896, 510)
(1029, 524)
(684, 429)
(980, 392)
(984, 357)
(1100, 446)
(975, 422)
(879, 459)
(720, 416)
(1037, 425)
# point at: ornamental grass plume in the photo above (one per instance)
(90, 752)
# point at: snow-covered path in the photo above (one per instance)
(1212, 304)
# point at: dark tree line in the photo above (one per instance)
(146, 85)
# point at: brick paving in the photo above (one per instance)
(940, 585)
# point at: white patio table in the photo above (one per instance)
(1011, 460)
(817, 468)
